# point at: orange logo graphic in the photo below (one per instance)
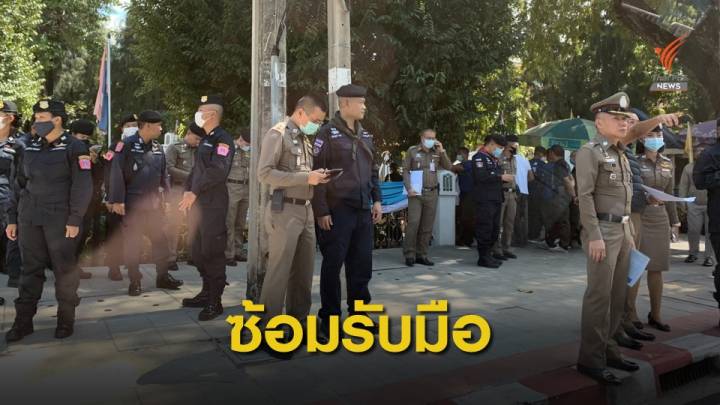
(669, 53)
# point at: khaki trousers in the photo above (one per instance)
(604, 300)
(421, 217)
(236, 218)
(291, 261)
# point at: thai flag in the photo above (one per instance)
(102, 100)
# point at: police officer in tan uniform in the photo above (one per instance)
(501, 250)
(239, 192)
(605, 191)
(180, 157)
(604, 182)
(429, 156)
(657, 172)
(285, 164)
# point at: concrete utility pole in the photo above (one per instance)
(339, 56)
(268, 107)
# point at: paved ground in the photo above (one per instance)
(147, 350)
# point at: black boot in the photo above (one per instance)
(168, 282)
(19, 329)
(487, 261)
(114, 274)
(65, 323)
(134, 289)
(212, 310)
(198, 301)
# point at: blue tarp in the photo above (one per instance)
(393, 196)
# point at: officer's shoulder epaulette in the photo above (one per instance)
(412, 149)
(279, 127)
(665, 158)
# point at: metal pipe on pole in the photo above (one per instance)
(339, 53)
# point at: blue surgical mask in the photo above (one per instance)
(428, 143)
(310, 128)
(654, 144)
(498, 152)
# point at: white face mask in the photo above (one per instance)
(199, 120)
(129, 131)
(245, 148)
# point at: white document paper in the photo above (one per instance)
(638, 264)
(521, 177)
(660, 196)
(416, 181)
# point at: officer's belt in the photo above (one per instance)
(510, 190)
(296, 201)
(231, 181)
(430, 188)
(618, 219)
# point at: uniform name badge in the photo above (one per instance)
(613, 176)
(432, 166)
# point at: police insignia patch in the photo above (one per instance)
(203, 99)
(84, 162)
(223, 149)
(44, 104)
(479, 163)
(317, 146)
(109, 155)
(119, 146)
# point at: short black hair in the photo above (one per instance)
(497, 138)
(426, 130)
(512, 138)
(540, 149)
(557, 150)
(464, 150)
(310, 102)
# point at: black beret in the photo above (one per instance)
(245, 134)
(212, 99)
(150, 116)
(84, 127)
(52, 106)
(351, 90)
(128, 118)
(192, 127)
(8, 106)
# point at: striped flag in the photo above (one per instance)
(102, 100)
(689, 144)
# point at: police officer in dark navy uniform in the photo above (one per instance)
(114, 240)
(137, 175)
(206, 193)
(12, 145)
(54, 188)
(706, 175)
(488, 181)
(347, 207)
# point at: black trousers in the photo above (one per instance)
(465, 232)
(715, 240)
(44, 246)
(348, 242)
(208, 224)
(535, 220)
(137, 224)
(114, 243)
(487, 225)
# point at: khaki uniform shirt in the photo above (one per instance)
(240, 169)
(604, 182)
(286, 160)
(429, 162)
(509, 166)
(687, 186)
(660, 176)
(180, 160)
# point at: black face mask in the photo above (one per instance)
(42, 129)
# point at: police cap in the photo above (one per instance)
(83, 127)
(149, 116)
(351, 90)
(128, 118)
(212, 99)
(617, 104)
(8, 106)
(56, 107)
